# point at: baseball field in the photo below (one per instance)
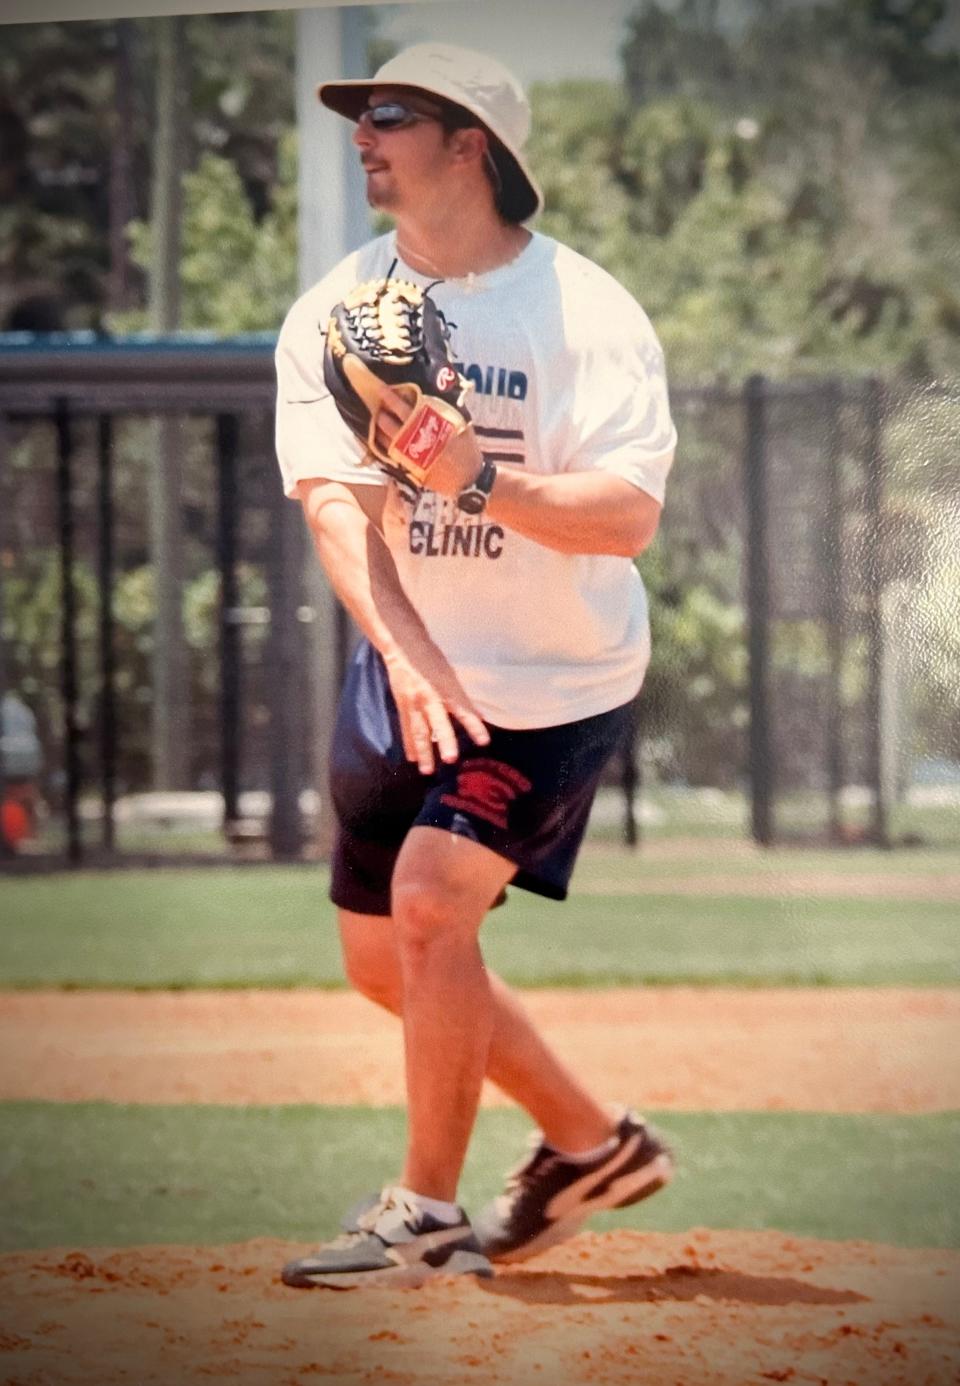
(190, 1096)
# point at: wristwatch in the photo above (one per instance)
(472, 500)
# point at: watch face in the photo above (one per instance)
(471, 502)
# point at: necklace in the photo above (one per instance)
(470, 283)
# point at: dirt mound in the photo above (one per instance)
(705, 1308)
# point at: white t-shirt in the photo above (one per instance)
(568, 376)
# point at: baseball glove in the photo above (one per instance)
(389, 332)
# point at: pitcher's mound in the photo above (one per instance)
(723, 1308)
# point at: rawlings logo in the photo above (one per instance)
(446, 378)
(424, 437)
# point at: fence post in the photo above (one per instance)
(874, 581)
(6, 849)
(758, 609)
(68, 629)
(288, 727)
(108, 714)
(631, 777)
(229, 628)
(833, 605)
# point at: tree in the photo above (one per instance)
(55, 92)
(58, 114)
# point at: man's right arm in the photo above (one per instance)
(346, 525)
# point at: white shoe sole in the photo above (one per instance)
(408, 1277)
(621, 1194)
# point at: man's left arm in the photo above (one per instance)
(605, 493)
(586, 512)
(606, 496)
(576, 512)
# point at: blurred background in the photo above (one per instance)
(776, 183)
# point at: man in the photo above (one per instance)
(505, 635)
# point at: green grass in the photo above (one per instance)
(273, 926)
(692, 859)
(714, 814)
(96, 1174)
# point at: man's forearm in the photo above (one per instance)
(428, 695)
(363, 574)
(577, 512)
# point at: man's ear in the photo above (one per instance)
(469, 144)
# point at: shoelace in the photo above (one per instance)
(519, 1178)
(390, 1199)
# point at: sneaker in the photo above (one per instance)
(392, 1242)
(547, 1198)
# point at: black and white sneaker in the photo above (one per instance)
(392, 1242)
(548, 1198)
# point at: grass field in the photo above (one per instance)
(94, 1174)
(273, 926)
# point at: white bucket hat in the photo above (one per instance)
(472, 80)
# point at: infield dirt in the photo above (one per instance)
(705, 1308)
(821, 1049)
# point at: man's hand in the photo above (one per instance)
(429, 698)
(456, 467)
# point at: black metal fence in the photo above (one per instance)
(802, 505)
(74, 485)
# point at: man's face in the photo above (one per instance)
(404, 166)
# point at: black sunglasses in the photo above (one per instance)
(392, 115)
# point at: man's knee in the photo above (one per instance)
(426, 911)
(442, 887)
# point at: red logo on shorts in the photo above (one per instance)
(446, 378)
(486, 788)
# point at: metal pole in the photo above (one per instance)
(758, 606)
(630, 778)
(833, 605)
(6, 849)
(333, 219)
(68, 631)
(229, 613)
(874, 576)
(108, 715)
(285, 655)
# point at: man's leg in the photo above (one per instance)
(519, 1061)
(443, 886)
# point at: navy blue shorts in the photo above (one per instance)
(527, 795)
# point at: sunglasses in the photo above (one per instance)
(392, 115)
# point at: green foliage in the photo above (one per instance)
(781, 198)
(694, 704)
(237, 274)
(776, 184)
(59, 126)
(32, 635)
(781, 195)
